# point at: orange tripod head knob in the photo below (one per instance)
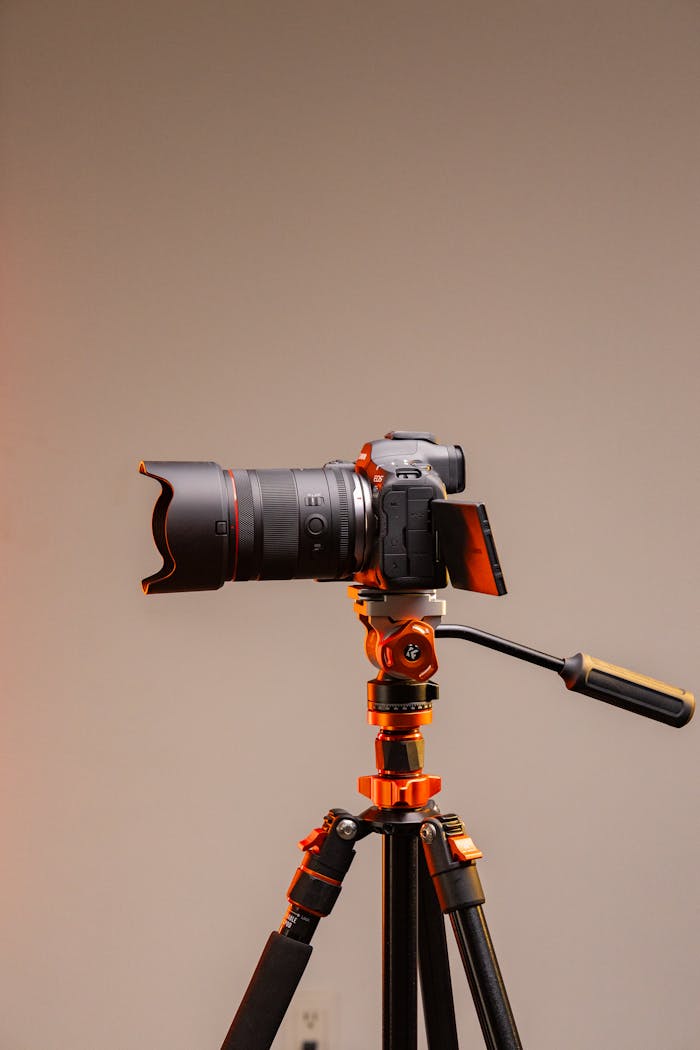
(409, 652)
(400, 627)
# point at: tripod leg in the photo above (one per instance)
(434, 967)
(312, 894)
(400, 990)
(460, 895)
(268, 995)
(485, 980)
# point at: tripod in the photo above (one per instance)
(429, 860)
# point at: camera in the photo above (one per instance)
(382, 522)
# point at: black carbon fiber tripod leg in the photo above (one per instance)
(434, 967)
(485, 980)
(459, 893)
(312, 894)
(400, 983)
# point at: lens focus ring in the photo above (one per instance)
(245, 517)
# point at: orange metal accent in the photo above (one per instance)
(372, 640)
(314, 840)
(462, 847)
(399, 719)
(372, 577)
(410, 787)
(388, 651)
(415, 637)
(318, 914)
(315, 875)
(390, 792)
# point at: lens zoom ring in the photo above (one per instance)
(281, 517)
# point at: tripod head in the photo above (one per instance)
(400, 643)
(401, 633)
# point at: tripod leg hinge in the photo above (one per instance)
(329, 849)
(453, 870)
(328, 855)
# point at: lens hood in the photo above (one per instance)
(192, 522)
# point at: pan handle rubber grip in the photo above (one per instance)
(629, 690)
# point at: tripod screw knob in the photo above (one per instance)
(427, 833)
(347, 829)
(409, 652)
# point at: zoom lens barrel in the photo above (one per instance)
(212, 525)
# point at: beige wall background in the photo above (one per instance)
(263, 234)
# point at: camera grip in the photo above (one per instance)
(627, 689)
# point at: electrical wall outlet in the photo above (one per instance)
(309, 1023)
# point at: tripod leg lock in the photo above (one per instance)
(450, 855)
(328, 855)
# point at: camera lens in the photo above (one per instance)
(212, 525)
